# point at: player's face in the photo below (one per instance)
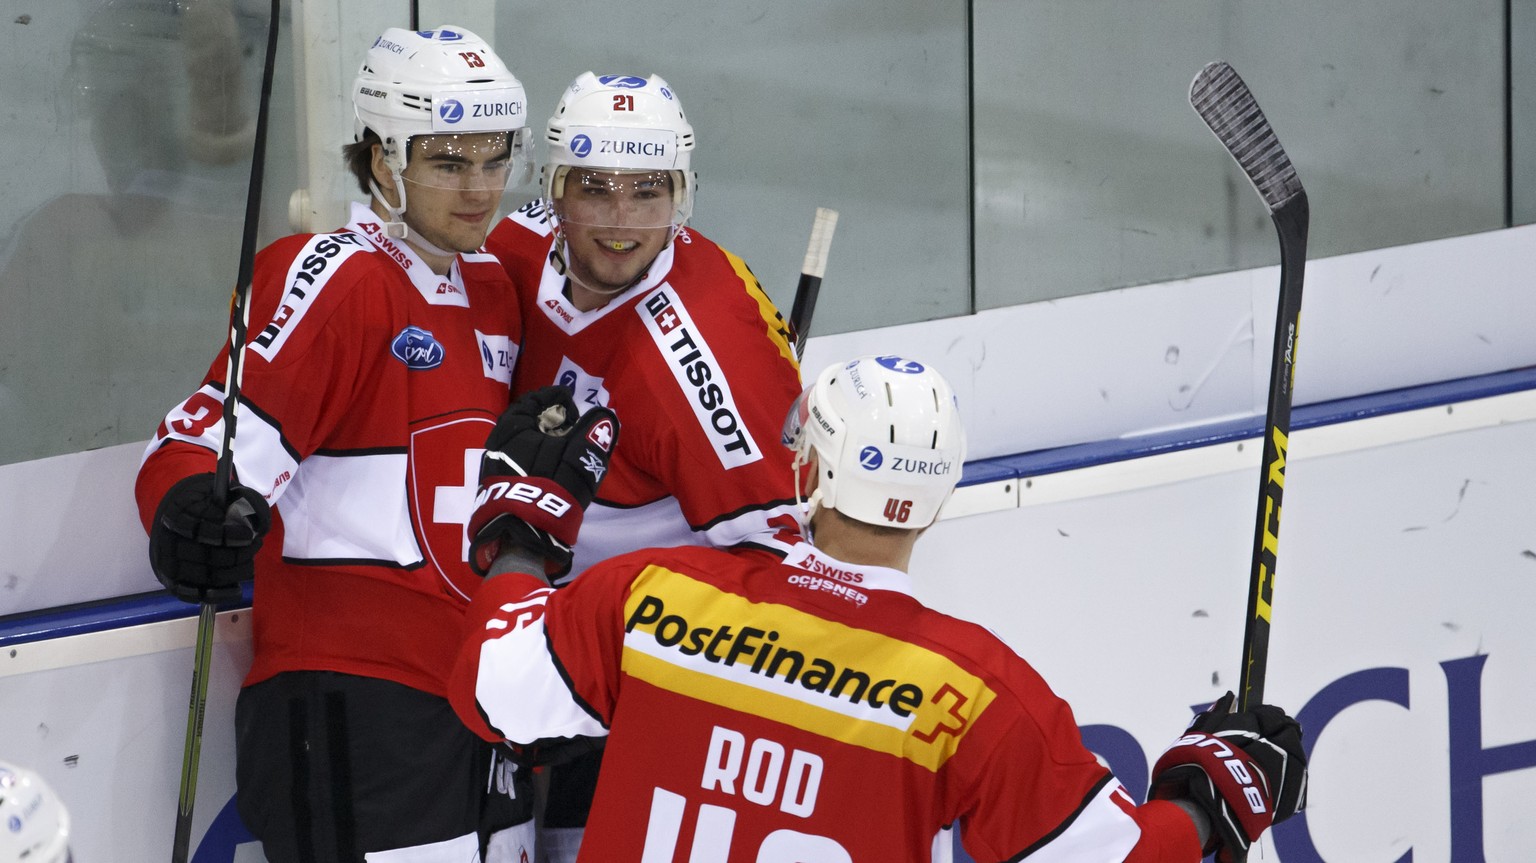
(453, 184)
(615, 223)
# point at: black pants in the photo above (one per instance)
(331, 766)
(572, 784)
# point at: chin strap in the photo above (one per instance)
(561, 262)
(396, 228)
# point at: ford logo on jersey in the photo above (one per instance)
(581, 145)
(898, 364)
(451, 111)
(870, 458)
(417, 349)
(626, 82)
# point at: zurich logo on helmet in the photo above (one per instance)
(417, 348)
(898, 364)
(870, 458)
(445, 35)
(581, 145)
(624, 82)
(451, 111)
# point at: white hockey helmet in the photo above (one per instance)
(887, 437)
(446, 81)
(34, 825)
(621, 124)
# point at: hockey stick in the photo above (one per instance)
(1224, 102)
(239, 320)
(811, 271)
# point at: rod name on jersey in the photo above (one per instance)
(312, 267)
(698, 375)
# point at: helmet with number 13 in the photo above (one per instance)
(440, 129)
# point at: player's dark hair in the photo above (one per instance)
(359, 159)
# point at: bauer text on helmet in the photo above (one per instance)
(887, 437)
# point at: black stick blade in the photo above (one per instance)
(1227, 106)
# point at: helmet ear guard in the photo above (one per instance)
(887, 437)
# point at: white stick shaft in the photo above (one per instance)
(821, 241)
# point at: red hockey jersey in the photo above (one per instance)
(369, 387)
(697, 363)
(796, 710)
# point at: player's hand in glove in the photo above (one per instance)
(201, 548)
(541, 469)
(1246, 770)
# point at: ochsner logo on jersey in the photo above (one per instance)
(494, 110)
(646, 149)
(698, 375)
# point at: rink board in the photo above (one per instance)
(1406, 571)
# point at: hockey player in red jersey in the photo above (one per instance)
(631, 309)
(811, 709)
(380, 356)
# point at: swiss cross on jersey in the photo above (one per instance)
(444, 476)
(698, 375)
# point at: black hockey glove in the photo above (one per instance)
(1246, 770)
(201, 548)
(541, 469)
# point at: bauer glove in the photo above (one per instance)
(541, 469)
(1246, 770)
(200, 547)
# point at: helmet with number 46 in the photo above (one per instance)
(887, 437)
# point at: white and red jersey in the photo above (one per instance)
(803, 709)
(370, 385)
(696, 362)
